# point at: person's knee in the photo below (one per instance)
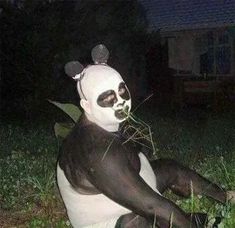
(176, 177)
(166, 171)
(132, 221)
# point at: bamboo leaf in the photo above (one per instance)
(70, 109)
(63, 129)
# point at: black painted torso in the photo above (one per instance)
(86, 147)
(96, 161)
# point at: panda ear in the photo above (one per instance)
(73, 69)
(100, 54)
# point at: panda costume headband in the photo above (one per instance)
(75, 69)
(101, 88)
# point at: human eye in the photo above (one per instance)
(107, 99)
(123, 91)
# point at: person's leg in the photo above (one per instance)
(184, 181)
(132, 220)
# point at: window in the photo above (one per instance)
(217, 59)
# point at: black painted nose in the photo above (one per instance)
(121, 104)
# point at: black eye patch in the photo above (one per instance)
(123, 91)
(107, 99)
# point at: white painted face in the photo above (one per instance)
(105, 96)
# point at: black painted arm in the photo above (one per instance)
(115, 177)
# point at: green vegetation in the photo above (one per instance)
(28, 193)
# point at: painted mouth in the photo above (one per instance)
(122, 113)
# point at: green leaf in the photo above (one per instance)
(70, 109)
(63, 129)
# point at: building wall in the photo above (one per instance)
(193, 84)
(187, 48)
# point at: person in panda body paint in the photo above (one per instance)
(106, 183)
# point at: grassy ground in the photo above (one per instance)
(28, 192)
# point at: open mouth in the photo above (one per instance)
(122, 113)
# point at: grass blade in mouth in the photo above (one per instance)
(139, 132)
(122, 113)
